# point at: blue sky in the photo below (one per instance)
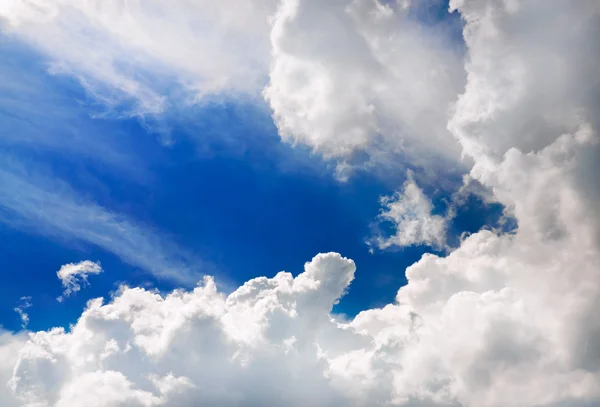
(206, 189)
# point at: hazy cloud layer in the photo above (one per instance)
(124, 51)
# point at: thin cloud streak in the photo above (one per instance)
(51, 207)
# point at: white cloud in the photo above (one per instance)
(528, 116)
(350, 76)
(531, 73)
(198, 347)
(410, 211)
(73, 275)
(23, 304)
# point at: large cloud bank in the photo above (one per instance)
(505, 320)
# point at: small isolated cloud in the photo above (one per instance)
(410, 211)
(73, 276)
(22, 305)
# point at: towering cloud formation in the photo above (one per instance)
(505, 320)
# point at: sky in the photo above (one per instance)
(292, 202)
(208, 191)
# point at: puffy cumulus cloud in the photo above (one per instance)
(528, 116)
(363, 75)
(508, 320)
(531, 69)
(410, 212)
(73, 275)
(135, 50)
(264, 343)
(510, 317)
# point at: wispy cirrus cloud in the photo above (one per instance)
(46, 117)
(44, 121)
(118, 53)
(50, 206)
